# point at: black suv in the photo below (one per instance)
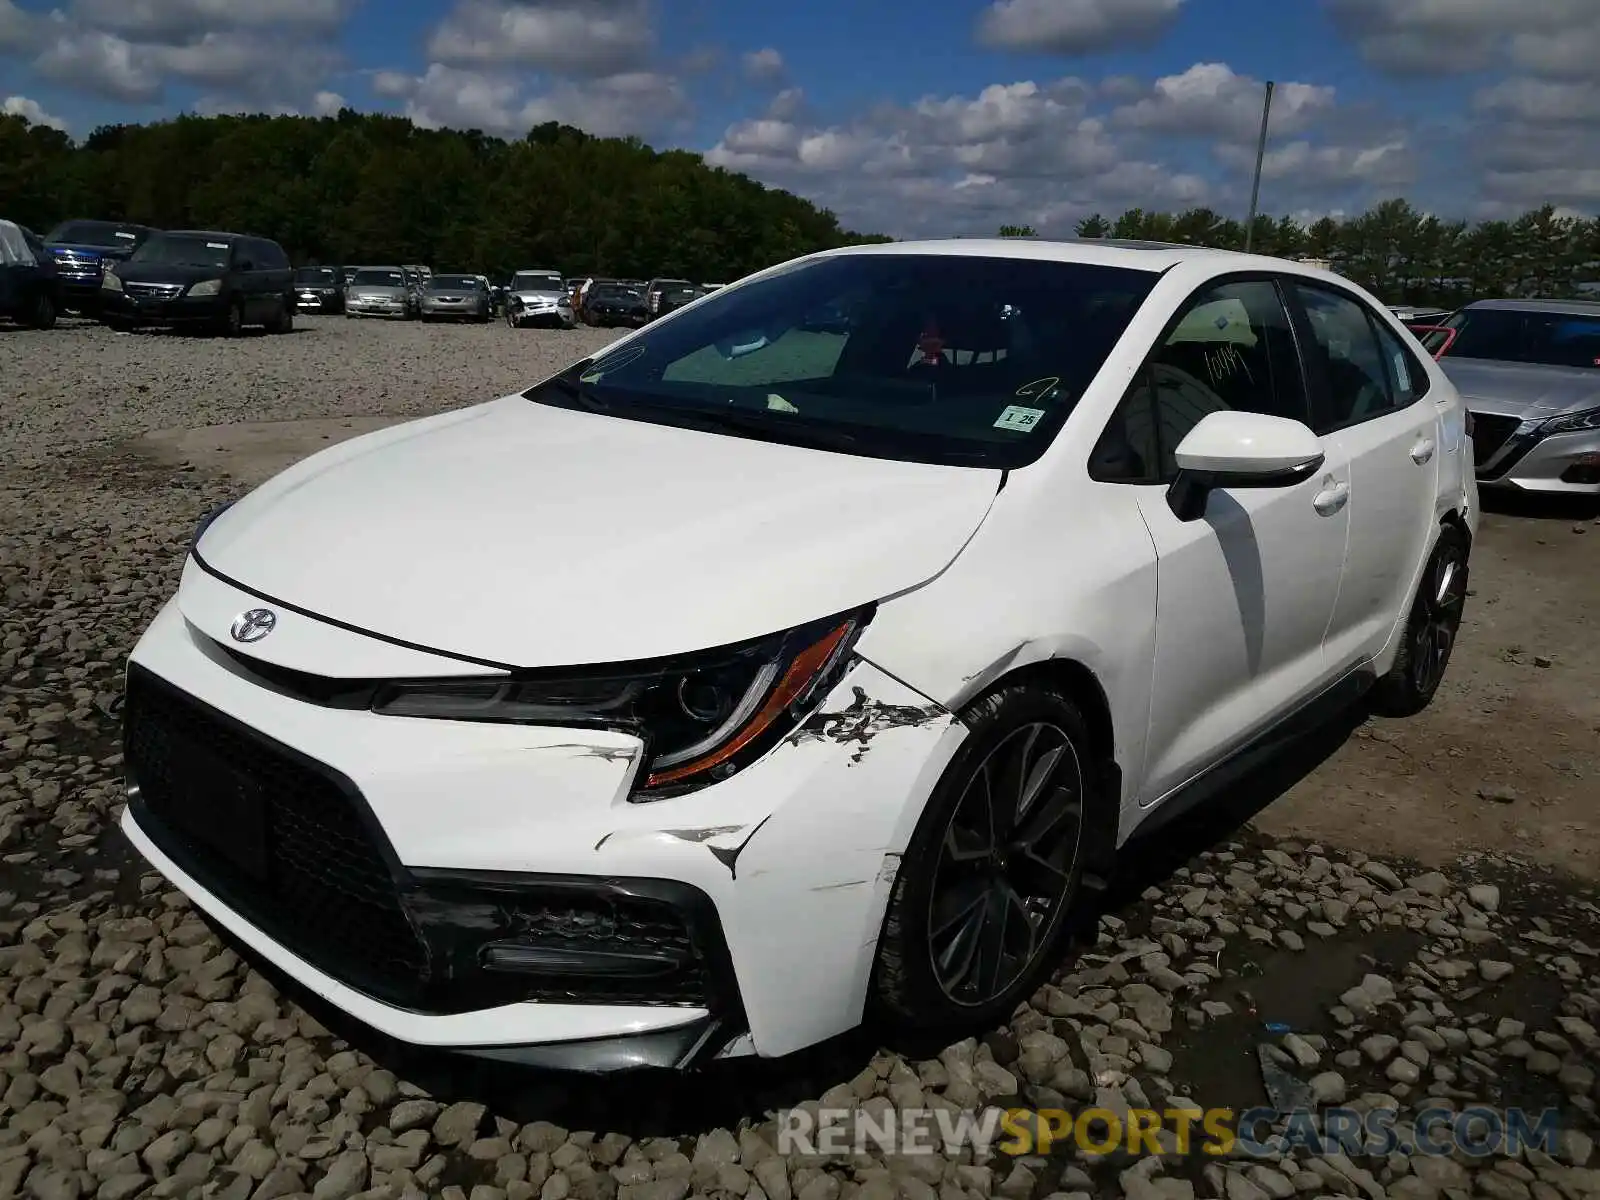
(83, 249)
(218, 281)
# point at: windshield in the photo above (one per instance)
(532, 281)
(452, 283)
(108, 234)
(387, 279)
(1549, 339)
(944, 358)
(318, 275)
(183, 250)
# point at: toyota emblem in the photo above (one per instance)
(254, 625)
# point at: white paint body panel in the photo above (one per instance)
(513, 533)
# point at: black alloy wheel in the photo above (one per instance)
(1430, 632)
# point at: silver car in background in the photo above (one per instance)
(380, 292)
(539, 298)
(457, 297)
(1529, 373)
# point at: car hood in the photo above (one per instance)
(527, 535)
(1521, 390)
(130, 272)
(538, 295)
(449, 294)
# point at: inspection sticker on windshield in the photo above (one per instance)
(1017, 417)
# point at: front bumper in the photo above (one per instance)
(317, 301)
(433, 308)
(547, 314)
(1512, 455)
(377, 308)
(160, 310)
(757, 901)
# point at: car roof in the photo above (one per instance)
(1111, 252)
(1571, 308)
(214, 234)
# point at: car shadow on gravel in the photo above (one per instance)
(1540, 506)
(656, 1103)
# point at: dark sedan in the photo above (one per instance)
(319, 289)
(614, 304)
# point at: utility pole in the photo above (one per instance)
(1261, 153)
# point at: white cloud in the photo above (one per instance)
(327, 104)
(764, 66)
(274, 54)
(1075, 26)
(614, 105)
(1210, 99)
(1440, 37)
(564, 37)
(1542, 102)
(31, 111)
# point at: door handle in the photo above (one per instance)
(1331, 498)
(1422, 451)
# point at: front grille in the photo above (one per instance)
(317, 883)
(154, 291)
(1489, 433)
(290, 846)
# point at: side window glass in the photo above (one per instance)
(1344, 355)
(1233, 348)
(1128, 451)
(1408, 380)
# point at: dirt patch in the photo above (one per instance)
(253, 452)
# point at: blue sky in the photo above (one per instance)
(905, 116)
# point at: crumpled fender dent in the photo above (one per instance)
(806, 846)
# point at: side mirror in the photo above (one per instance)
(1233, 449)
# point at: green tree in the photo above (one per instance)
(1011, 231)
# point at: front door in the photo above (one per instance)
(1245, 593)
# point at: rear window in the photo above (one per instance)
(942, 358)
(107, 234)
(1550, 339)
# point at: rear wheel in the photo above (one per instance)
(1430, 631)
(983, 895)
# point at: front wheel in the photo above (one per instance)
(43, 314)
(983, 895)
(1430, 631)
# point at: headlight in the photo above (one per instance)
(206, 287)
(702, 717)
(1578, 422)
(110, 282)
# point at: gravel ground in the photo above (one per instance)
(138, 1056)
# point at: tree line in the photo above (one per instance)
(362, 187)
(1395, 251)
(366, 187)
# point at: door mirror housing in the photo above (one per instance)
(1233, 449)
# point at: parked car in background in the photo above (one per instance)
(347, 274)
(380, 292)
(966, 603)
(319, 289)
(654, 289)
(456, 297)
(713, 287)
(30, 286)
(82, 249)
(610, 305)
(672, 298)
(535, 297)
(1529, 373)
(202, 279)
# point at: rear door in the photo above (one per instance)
(1368, 395)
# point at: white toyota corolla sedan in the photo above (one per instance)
(805, 655)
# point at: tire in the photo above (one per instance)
(1430, 630)
(43, 315)
(233, 323)
(909, 988)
